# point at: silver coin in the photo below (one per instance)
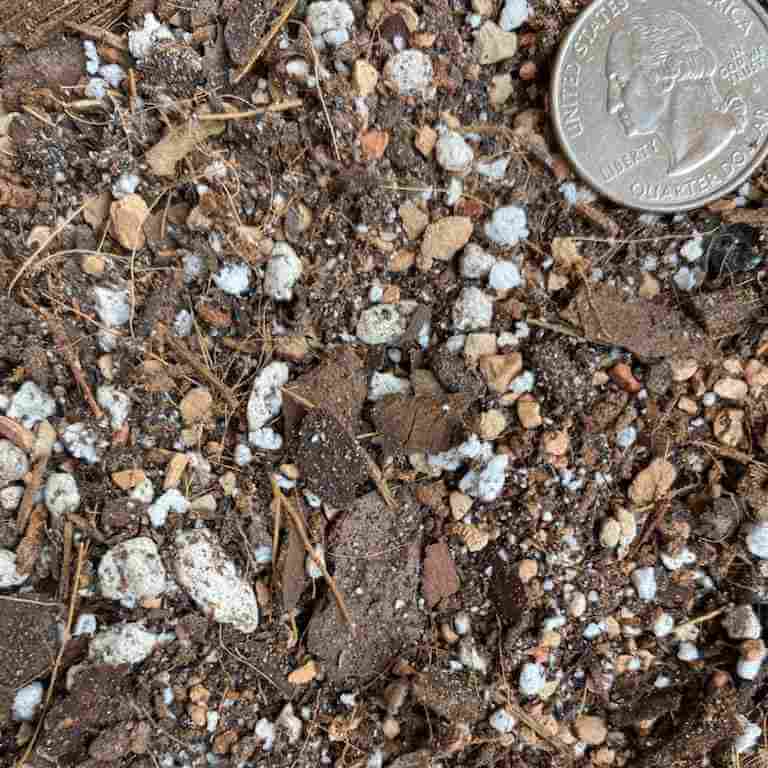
(662, 105)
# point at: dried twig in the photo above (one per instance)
(597, 217)
(298, 525)
(182, 351)
(31, 260)
(81, 555)
(66, 349)
(28, 550)
(30, 492)
(281, 106)
(265, 42)
(66, 560)
(99, 35)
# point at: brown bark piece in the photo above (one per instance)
(440, 577)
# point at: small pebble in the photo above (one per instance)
(532, 679)
(504, 276)
(502, 721)
(644, 580)
(508, 226)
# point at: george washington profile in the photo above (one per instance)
(661, 81)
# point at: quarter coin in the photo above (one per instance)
(662, 105)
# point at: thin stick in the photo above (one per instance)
(200, 368)
(73, 360)
(266, 41)
(282, 106)
(329, 580)
(277, 516)
(99, 35)
(30, 492)
(81, 554)
(66, 561)
(28, 263)
(701, 619)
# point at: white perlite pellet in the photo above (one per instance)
(9, 576)
(116, 403)
(502, 721)
(741, 623)
(411, 73)
(504, 276)
(171, 501)
(514, 14)
(532, 679)
(508, 225)
(31, 404)
(329, 22)
(283, 272)
(644, 580)
(757, 539)
(132, 571)
(473, 310)
(383, 384)
(475, 262)
(380, 324)
(488, 483)
(453, 153)
(13, 463)
(127, 644)
(27, 701)
(233, 279)
(61, 494)
(266, 400)
(210, 578)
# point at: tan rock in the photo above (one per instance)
(426, 138)
(292, 348)
(401, 261)
(499, 370)
(491, 424)
(92, 264)
(483, 7)
(175, 470)
(500, 89)
(460, 504)
(126, 479)
(304, 674)
(556, 282)
(198, 714)
(731, 389)
(527, 570)
(591, 730)
(688, 405)
(196, 405)
(444, 238)
(479, 345)
(649, 286)
(374, 143)
(365, 77)
(556, 443)
(493, 44)
(683, 369)
(610, 533)
(529, 412)
(127, 221)
(756, 374)
(729, 427)
(415, 221)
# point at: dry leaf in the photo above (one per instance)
(304, 674)
(177, 143)
(96, 209)
(653, 483)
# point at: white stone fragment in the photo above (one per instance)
(383, 384)
(31, 405)
(472, 449)
(502, 721)
(453, 154)
(504, 276)
(266, 400)
(27, 702)
(171, 501)
(234, 279)
(10, 497)
(514, 14)
(9, 576)
(644, 580)
(116, 403)
(243, 455)
(487, 483)
(144, 491)
(473, 310)
(193, 266)
(471, 658)
(679, 560)
(132, 572)
(329, 21)
(283, 271)
(125, 184)
(80, 442)
(693, 249)
(475, 262)
(748, 669)
(61, 494)
(96, 88)
(532, 679)
(126, 644)
(508, 225)
(688, 652)
(380, 324)
(664, 625)
(114, 74)
(290, 723)
(183, 323)
(85, 625)
(210, 578)
(14, 463)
